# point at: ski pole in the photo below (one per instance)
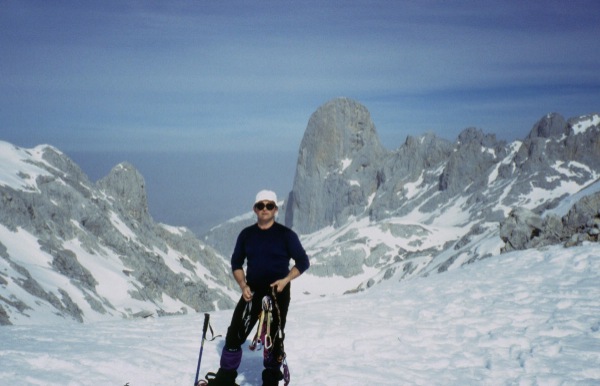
(204, 328)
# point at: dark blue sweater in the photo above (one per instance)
(268, 253)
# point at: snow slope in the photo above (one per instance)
(73, 249)
(523, 318)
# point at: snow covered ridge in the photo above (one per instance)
(74, 250)
(368, 214)
(586, 123)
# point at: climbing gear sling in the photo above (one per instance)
(263, 337)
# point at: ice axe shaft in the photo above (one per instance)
(204, 328)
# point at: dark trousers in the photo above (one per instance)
(243, 321)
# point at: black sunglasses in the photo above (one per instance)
(262, 205)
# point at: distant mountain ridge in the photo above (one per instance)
(430, 205)
(74, 250)
(362, 178)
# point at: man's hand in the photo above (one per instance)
(280, 284)
(240, 277)
(247, 293)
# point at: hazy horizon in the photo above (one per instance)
(194, 190)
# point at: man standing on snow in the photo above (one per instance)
(267, 248)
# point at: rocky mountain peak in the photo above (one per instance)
(60, 162)
(125, 184)
(70, 250)
(474, 136)
(340, 129)
(550, 125)
(475, 153)
(336, 163)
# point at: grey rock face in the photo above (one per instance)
(127, 186)
(524, 229)
(520, 228)
(552, 125)
(469, 162)
(416, 160)
(337, 167)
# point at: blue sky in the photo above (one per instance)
(243, 77)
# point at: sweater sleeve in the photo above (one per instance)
(297, 252)
(238, 256)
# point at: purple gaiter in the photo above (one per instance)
(231, 358)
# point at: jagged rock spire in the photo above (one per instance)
(127, 185)
(335, 174)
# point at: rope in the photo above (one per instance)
(281, 356)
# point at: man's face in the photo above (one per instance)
(265, 210)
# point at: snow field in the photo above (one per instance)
(523, 318)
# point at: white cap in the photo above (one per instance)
(266, 195)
